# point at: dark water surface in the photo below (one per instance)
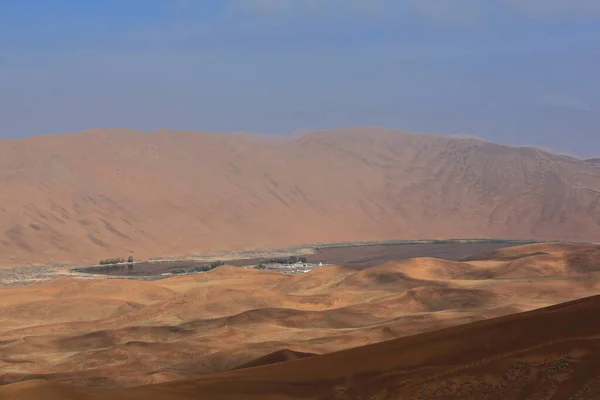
(364, 255)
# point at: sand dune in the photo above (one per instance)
(275, 358)
(121, 333)
(115, 192)
(517, 252)
(505, 358)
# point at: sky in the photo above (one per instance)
(519, 72)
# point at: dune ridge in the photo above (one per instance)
(505, 358)
(119, 333)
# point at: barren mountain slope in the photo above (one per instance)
(109, 193)
(114, 333)
(595, 161)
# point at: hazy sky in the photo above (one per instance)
(513, 71)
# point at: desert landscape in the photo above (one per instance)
(433, 267)
(79, 198)
(506, 358)
(299, 200)
(342, 331)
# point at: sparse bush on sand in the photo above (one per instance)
(198, 268)
(112, 261)
(178, 271)
(288, 260)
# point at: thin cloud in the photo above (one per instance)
(273, 7)
(315, 10)
(438, 11)
(562, 100)
(559, 8)
(456, 12)
(441, 11)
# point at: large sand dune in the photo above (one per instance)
(120, 333)
(550, 353)
(108, 193)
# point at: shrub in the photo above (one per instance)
(130, 259)
(178, 271)
(288, 260)
(206, 267)
(112, 261)
(199, 268)
(276, 261)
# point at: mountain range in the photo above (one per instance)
(78, 198)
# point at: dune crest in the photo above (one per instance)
(504, 358)
(121, 333)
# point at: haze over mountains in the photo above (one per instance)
(114, 192)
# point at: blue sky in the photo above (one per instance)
(522, 72)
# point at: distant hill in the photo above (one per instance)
(595, 161)
(106, 193)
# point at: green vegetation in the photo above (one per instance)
(198, 268)
(112, 261)
(116, 260)
(178, 271)
(288, 260)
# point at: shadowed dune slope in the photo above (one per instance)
(115, 192)
(516, 252)
(514, 357)
(276, 357)
(119, 333)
